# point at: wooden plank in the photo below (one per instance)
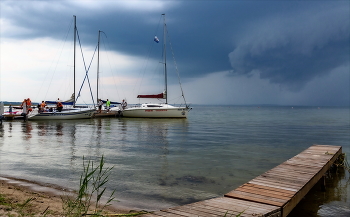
(199, 210)
(170, 213)
(160, 213)
(292, 169)
(244, 204)
(236, 205)
(256, 198)
(265, 191)
(219, 207)
(290, 178)
(271, 184)
(280, 183)
(277, 190)
(284, 174)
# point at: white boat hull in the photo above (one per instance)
(164, 111)
(70, 114)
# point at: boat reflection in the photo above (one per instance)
(154, 133)
(1, 131)
(27, 130)
(59, 127)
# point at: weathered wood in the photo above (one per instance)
(303, 191)
(219, 207)
(273, 194)
(297, 175)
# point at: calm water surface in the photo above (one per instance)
(160, 163)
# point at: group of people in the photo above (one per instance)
(43, 106)
(27, 106)
(108, 105)
(100, 103)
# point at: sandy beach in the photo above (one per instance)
(23, 198)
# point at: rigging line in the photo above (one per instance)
(87, 77)
(147, 58)
(109, 62)
(177, 70)
(65, 40)
(86, 70)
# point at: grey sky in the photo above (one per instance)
(286, 52)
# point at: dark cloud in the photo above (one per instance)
(288, 42)
(292, 50)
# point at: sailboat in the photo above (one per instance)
(111, 112)
(158, 110)
(70, 110)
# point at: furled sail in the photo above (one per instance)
(104, 101)
(67, 102)
(157, 96)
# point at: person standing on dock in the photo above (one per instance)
(100, 103)
(42, 106)
(59, 106)
(108, 104)
(124, 104)
(29, 106)
(24, 106)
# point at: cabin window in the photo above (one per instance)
(154, 106)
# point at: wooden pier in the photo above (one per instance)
(272, 194)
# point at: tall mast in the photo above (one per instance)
(98, 61)
(165, 68)
(75, 35)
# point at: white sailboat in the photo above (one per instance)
(158, 110)
(70, 111)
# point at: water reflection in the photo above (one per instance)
(27, 130)
(147, 151)
(1, 131)
(10, 129)
(154, 133)
(98, 136)
(331, 202)
(59, 127)
(42, 129)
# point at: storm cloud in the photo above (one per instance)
(238, 52)
(293, 49)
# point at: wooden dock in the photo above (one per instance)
(274, 193)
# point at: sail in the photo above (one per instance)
(157, 96)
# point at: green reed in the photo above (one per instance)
(91, 187)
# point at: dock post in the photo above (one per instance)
(323, 183)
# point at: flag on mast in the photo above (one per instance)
(156, 39)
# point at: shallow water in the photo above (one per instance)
(167, 162)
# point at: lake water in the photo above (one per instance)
(159, 163)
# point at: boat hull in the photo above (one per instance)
(12, 115)
(64, 115)
(137, 112)
(104, 114)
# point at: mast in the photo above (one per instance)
(75, 34)
(98, 60)
(165, 68)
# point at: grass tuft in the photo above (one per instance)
(92, 185)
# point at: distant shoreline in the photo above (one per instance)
(7, 103)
